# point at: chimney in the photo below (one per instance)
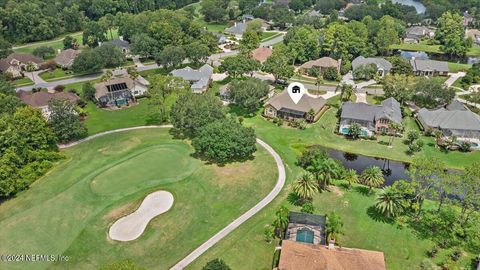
(235, 24)
(331, 244)
(120, 37)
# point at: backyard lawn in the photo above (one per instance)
(424, 47)
(70, 210)
(456, 67)
(246, 248)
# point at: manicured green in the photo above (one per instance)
(70, 210)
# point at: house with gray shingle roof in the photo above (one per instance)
(282, 106)
(66, 57)
(425, 67)
(383, 66)
(453, 120)
(415, 33)
(122, 44)
(371, 118)
(237, 29)
(199, 79)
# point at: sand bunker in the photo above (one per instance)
(130, 227)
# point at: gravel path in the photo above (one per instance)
(237, 222)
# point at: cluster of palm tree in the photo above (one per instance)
(389, 202)
(372, 177)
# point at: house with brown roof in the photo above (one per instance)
(282, 106)
(66, 57)
(474, 34)
(304, 248)
(120, 91)
(322, 64)
(261, 54)
(301, 256)
(40, 100)
(15, 64)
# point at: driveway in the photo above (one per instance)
(453, 77)
(361, 97)
(273, 41)
(35, 77)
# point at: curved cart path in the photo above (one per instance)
(234, 224)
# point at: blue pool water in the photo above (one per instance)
(305, 236)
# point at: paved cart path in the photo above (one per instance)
(234, 224)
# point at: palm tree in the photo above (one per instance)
(389, 202)
(318, 82)
(326, 170)
(333, 226)
(281, 221)
(394, 128)
(355, 130)
(31, 67)
(133, 74)
(351, 177)
(305, 186)
(346, 91)
(107, 76)
(372, 177)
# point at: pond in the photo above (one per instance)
(437, 56)
(393, 170)
(419, 7)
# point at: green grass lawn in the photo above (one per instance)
(424, 47)
(99, 120)
(269, 35)
(456, 67)
(215, 27)
(58, 74)
(70, 210)
(246, 249)
(57, 43)
(22, 82)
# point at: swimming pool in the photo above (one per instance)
(346, 131)
(305, 236)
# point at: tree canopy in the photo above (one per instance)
(224, 141)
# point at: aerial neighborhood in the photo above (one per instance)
(248, 134)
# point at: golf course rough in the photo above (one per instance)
(71, 209)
